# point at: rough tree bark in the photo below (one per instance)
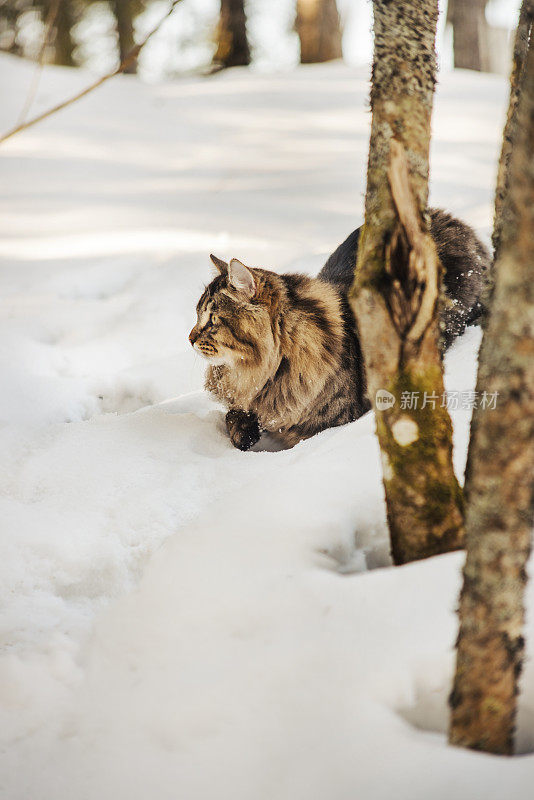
(319, 30)
(123, 11)
(470, 34)
(395, 292)
(518, 63)
(232, 43)
(500, 475)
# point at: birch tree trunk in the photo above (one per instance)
(470, 34)
(395, 292)
(520, 51)
(500, 475)
(232, 43)
(319, 30)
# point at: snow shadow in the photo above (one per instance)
(369, 550)
(429, 709)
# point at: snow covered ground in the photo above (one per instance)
(180, 619)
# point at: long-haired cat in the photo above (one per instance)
(283, 350)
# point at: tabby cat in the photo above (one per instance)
(283, 350)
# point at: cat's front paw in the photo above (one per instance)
(243, 428)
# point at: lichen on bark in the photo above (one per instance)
(521, 40)
(423, 495)
(500, 475)
(395, 292)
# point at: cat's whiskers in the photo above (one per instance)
(284, 350)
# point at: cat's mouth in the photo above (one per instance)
(210, 354)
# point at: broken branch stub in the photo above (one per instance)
(411, 259)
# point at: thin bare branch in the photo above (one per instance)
(129, 59)
(49, 22)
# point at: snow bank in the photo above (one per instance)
(180, 619)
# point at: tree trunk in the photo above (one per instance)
(520, 51)
(9, 14)
(232, 43)
(470, 34)
(125, 30)
(319, 30)
(500, 475)
(394, 296)
(63, 41)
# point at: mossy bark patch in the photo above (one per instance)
(395, 292)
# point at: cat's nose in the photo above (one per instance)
(193, 336)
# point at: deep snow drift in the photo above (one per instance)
(179, 619)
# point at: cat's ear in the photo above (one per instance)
(221, 265)
(241, 278)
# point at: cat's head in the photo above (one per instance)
(234, 315)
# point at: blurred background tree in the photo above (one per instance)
(470, 34)
(63, 16)
(232, 44)
(319, 29)
(125, 12)
(269, 33)
(11, 14)
(23, 25)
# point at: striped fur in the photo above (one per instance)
(287, 358)
(284, 350)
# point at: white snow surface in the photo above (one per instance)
(180, 619)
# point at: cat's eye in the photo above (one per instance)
(210, 323)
